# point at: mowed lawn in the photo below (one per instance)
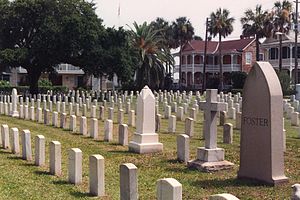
(20, 179)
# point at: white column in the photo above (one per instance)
(193, 70)
(186, 69)
(231, 61)
(291, 60)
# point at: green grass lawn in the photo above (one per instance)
(20, 179)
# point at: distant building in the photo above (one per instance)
(65, 75)
(270, 49)
(237, 55)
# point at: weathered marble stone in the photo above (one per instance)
(75, 166)
(128, 182)
(94, 128)
(131, 118)
(172, 124)
(183, 148)
(228, 133)
(169, 189)
(261, 155)
(145, 140)
(83, 126)
(189, 126)
(26, 145)
(39, 150)
(5, 136)
(15, 144)
(73, 123)
(96, 175)
(108, 130)
(55, 158)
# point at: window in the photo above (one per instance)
(261, 56)
(273, 53)
(235, 59)
(293, 53)
(285, 52)
(248, 58)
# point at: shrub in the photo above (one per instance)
(285, 82)
(238, 79)
(44, 83)
(25, 89)
(4, 84)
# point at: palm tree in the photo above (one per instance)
(254, 24)
(281, 23)
(152, 54)
(165, 31)
(183, 32)
(220, 24)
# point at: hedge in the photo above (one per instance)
(25, 89)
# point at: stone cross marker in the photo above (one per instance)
(261, 155)
(211, 107)
(145, 140)
(14, 99)
(210, 157)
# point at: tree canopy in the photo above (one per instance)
(38, 35)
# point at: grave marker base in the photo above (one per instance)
(275, 181)
(209, 160)
(142, 143)
(210, 166)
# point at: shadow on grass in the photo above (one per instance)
(80, 194)
(14, 157)
(122, 152)
(231, 182)
(166, 133)
(174, 161)
(4, 151)
(180, 170)
(38, 172)
(28, 164)
(115, 144)
(61, 182)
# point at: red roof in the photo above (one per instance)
(212, 46)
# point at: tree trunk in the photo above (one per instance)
(101, 82)
(257, 47)
(180, 63)
(33, 77)
(220, 64)
(280, 53)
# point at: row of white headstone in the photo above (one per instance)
(167, 188)
(128, 171)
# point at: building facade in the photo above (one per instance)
(237, 55)
(270, 49)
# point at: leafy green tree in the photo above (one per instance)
(39, 34)
(254, 22)
(221, 25)
(183, 32)
(152, 55)
(165, 31)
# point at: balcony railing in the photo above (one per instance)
(209, 68)
(68, 69)
(286, 63)
(60, 69)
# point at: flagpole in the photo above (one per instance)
(119, 13)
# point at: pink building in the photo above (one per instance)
(237, 55)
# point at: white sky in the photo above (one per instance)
(195, 10)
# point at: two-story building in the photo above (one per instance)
(66, 75)
(270, 48)
(237, 55)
